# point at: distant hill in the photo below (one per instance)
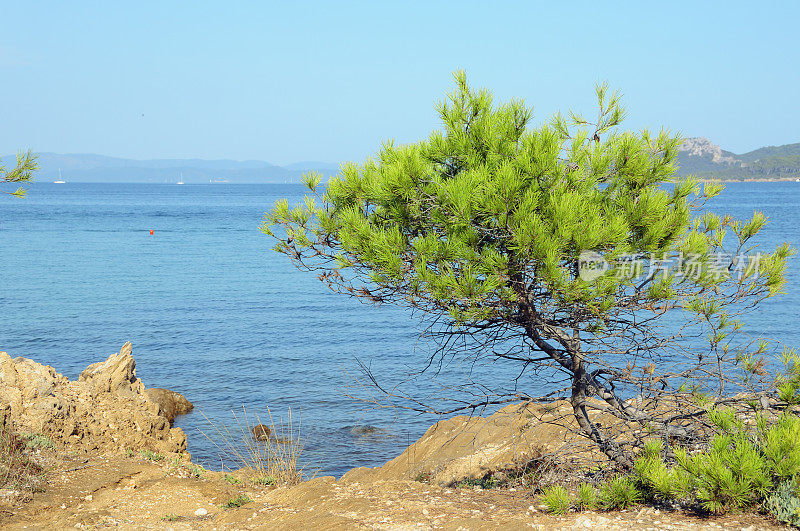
(88, 167)
(698, 156)
(313, 165)
(702, 158)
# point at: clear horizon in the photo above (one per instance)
(324, 82)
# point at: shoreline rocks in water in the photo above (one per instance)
(261, 432)
(106, 409)
(170, 403)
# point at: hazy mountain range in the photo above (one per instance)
(88, 167)
(698, 156)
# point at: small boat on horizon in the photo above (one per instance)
(180, 181)
(60, 178)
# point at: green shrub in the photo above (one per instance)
(152, 456)
(780, 444)
(37, 440)
(659, 481)
(233, 480)
(238, 501)
(784, 504)
(619, 493)
(725, 420)
(788, 383)
(587, 497)
(423, 477)
(737, 471)
(557, 499)
(732, 474)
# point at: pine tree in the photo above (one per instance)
(22, 172)
(545, 246)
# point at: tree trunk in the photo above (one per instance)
(580, 383)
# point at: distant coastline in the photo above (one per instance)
(778, 180)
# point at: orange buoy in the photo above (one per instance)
(151, 232)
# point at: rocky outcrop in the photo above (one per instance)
(703, 147)
(115, 375)
(469, 447)
(170, 403)
(107, 409)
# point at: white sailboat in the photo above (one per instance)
(180, 181)
(60, 178)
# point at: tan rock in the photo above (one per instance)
(115, 375)
(106, 410)
(469, 447)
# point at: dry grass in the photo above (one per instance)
(18, 470)
(268, 462)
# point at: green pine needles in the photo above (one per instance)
(556, 247)
(738, 470)
(20, 173)
(743, 468)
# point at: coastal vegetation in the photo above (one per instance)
(558, 248)
(745, 467)
(555, 248)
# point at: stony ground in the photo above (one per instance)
(135, 493)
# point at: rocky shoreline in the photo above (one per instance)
(107, 409)
(116, 461)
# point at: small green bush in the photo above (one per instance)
(238, 501)
(266, 480)
(557, 499)
(37, 440)
(784, 504)
(732, 474)
(780, 444)
(789, 382)
(587, 497)
(233, 480)
(152, 456)
(737, 471)
(619, 493)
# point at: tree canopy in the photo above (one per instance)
(20, 173)
(563, 247)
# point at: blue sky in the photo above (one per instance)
(329, 81)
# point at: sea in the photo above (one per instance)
(215, 314)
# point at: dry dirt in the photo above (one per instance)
(134, 493)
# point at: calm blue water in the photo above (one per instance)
(213, 313)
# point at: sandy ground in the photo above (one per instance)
(134, 493)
